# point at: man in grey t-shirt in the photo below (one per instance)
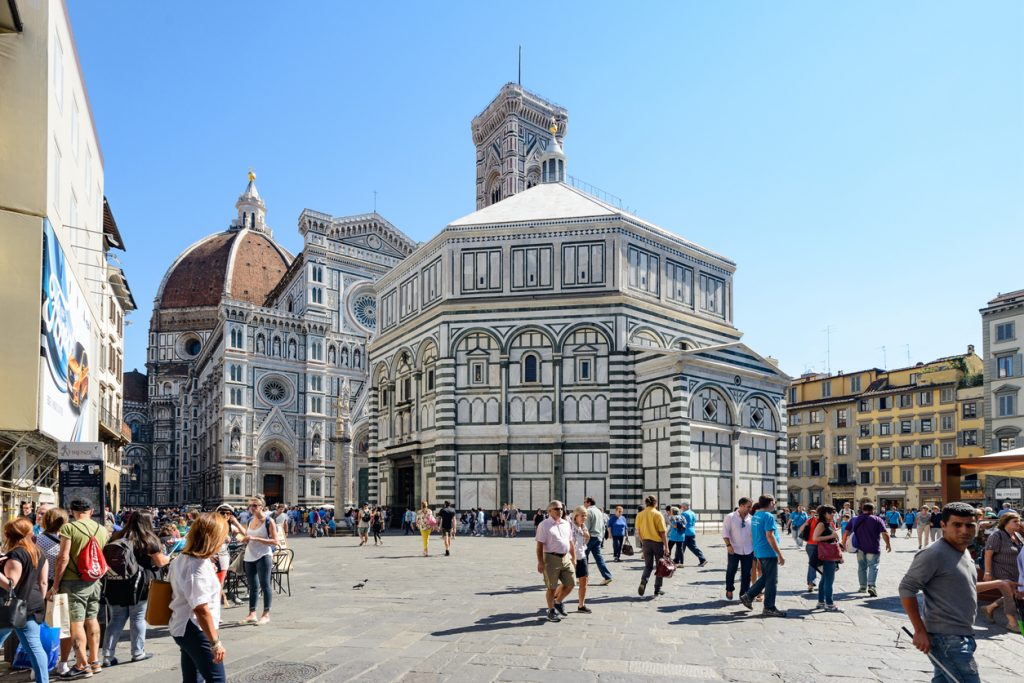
(946, 575)
(596, 526)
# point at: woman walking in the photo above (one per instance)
(365, 516)
(923, 523)
(1001, 552)
(824, 533)
(195, 602)
(580, 536)
(617, 527)
(676, 535)
(149, 555)
(376, 525)
(24, 576)
(812, 552)
(425, 522)
(260, 539)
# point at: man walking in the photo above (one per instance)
(739, 543)
(764, 532)
(83, 593)
(894, 519)
(596, 527)
(447, 515)
(556, 559)
(866, 529)
(653, 534)
(408, 519)
(796, 521)
(947, 576)
(690, 533)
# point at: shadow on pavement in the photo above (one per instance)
(496, 622)
(515, 591)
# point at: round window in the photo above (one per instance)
(192, 347)
(364, 308)
(274, 391)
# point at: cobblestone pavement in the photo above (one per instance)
(477, 616)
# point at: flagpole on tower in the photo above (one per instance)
(520, 79)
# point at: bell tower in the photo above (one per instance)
(252, 212)
(510, 137)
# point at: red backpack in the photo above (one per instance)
(91, 564)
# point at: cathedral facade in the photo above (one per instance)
(548, 345)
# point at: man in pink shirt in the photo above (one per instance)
(556, 558)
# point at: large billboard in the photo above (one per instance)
(66, 345)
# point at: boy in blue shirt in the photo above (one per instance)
(764, 531)
(797, 520)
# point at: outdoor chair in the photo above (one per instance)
(280, 575)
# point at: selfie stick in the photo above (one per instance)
(949, 674)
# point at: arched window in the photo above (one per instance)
(530, 374)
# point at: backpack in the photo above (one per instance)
(680, 524)
(91, 564)
(366, 516)
(121, 561)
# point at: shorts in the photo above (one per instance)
(83, 599)
(894, 527)
(558, 569)
(581, 569)
(447, 532)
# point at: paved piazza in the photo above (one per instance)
(476, 616)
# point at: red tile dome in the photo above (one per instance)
(237, 264)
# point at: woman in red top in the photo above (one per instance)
(824, 532)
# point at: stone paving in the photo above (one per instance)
(477, 616)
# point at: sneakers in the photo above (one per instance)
(584, 609)
(821, 605)
(74, 673)
(862, 589)
(658, 591)
(605, 582)
(747, 602)
(832, 608)
(872, 591)
(702, 563)
(811, 588)
(773, 613)
(553, 616)
(561, 608)
(643, 587)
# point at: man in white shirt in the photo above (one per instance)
(556, 558)
(740, 545)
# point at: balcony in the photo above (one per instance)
(113, 427)
(842, 482)
(970, 485)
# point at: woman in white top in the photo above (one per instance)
(260, 539)
(580, 537)
(195, 602)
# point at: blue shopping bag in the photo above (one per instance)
(50, 638)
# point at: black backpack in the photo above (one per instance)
(123, 581)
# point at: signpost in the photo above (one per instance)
(81, 475)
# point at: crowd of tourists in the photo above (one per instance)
(68, 570)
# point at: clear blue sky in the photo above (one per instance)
(863, 163)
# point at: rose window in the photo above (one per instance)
(365, 310)
(274, 391)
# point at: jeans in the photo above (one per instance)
(691, 545)
(743, 563)
(796, 537)
(767, 582)
(653, 551)
(260, 569)
(956, 653)
(675, 548)
(828, 578)
(135, 616)
(29, 637)
(197, 657)
(867, 568)
(594, 548)
(617, 545)
(812, 563)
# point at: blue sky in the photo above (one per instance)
(863, 163)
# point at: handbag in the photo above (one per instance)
(158, 609)
(665, 569)
(237, 565)
(627, 547)
(14, 608)
(829, 552)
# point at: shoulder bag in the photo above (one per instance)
(627, 547)
(14, 607)
(158, 609)
(666, 568)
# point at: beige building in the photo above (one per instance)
(880, 435)
(57, 232)
(1002, 329)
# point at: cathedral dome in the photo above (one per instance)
(240, 264)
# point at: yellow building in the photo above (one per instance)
(879, 435)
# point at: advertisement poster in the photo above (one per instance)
(81, 475)
(65, 343)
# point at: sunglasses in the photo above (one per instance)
(555, 509)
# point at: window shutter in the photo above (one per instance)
(1019, 442)
(1018, 366)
